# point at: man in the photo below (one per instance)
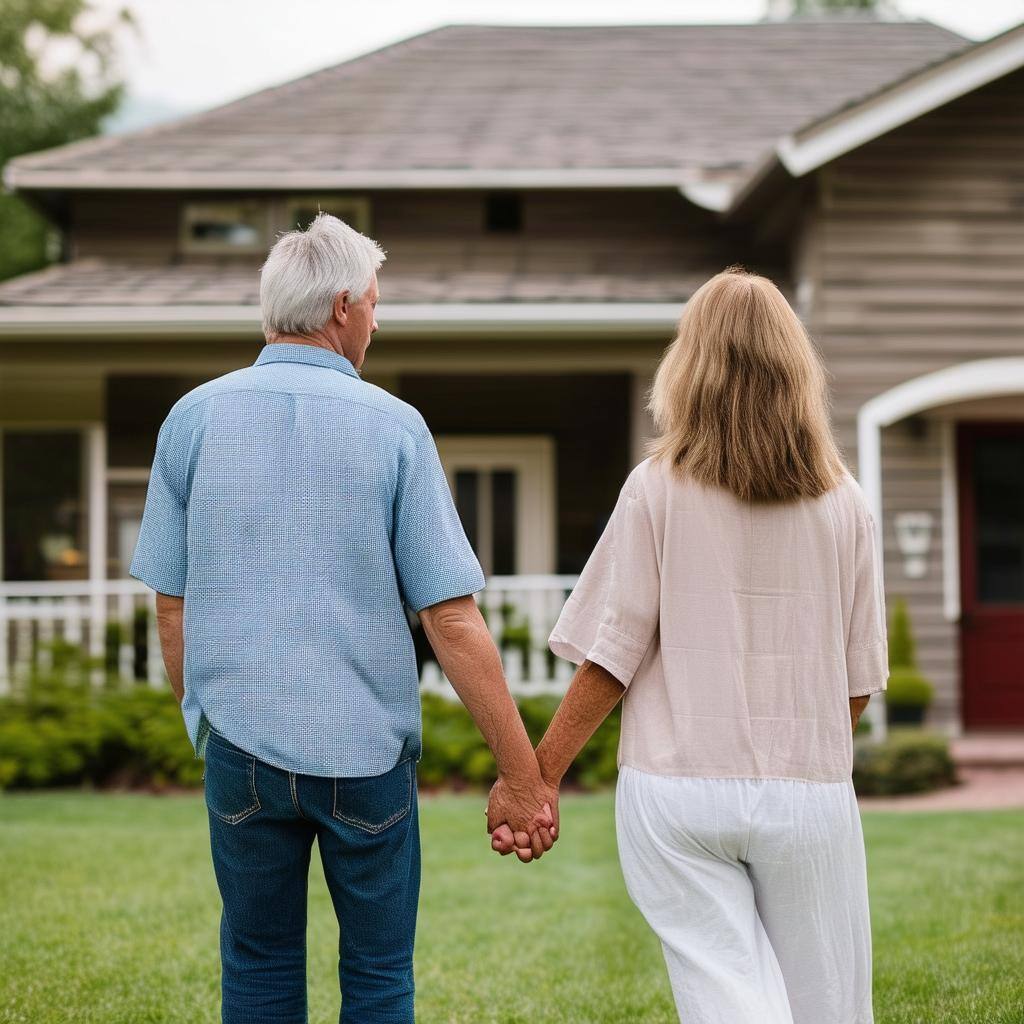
(292, 511)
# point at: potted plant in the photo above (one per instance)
(908, 694)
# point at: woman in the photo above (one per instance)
(736, 600)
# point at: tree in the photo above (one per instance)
(794, 8)
(57, 84)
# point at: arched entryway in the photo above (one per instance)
(982, 520)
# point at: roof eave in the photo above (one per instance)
(812, 147)
(818, 144)
(132, 322)
(24, 177)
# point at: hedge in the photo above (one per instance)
(64, 732)
(907, 761)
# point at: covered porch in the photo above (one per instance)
(536, 431)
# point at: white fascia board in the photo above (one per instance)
(807, 150)
(25, 176)
(716, 196)
(116, 322)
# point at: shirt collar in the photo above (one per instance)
(290, 352)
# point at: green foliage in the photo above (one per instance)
(907, 688)
(902, 649)
(907, 761)
(454, 752)
(63, 731)
(803, 7)
(44, 105)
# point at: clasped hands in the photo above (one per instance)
(522, 816)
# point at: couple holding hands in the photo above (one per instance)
(296, 512)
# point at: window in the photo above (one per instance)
(43, 505)
(226, 227)
(503, 212)
(353, 210)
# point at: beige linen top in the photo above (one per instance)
(740, 630)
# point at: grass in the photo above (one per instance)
(109, 914)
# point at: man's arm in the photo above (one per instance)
(467, 654)
(857, 706)
(170, 625)
(593, 694)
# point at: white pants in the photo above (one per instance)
(758, 891)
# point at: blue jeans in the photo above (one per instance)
(263, 821)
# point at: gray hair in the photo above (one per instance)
(306, 269)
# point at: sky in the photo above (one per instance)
(193, 54)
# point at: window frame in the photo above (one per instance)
(360, 206)
(191, 245)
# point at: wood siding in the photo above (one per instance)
(915, 254)
(563, 232)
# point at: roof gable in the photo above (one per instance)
(855, 124)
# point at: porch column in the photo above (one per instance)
(641, 426)
(869, 476)
(96, 464)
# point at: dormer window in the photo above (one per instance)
(353, 210)
(231, 227)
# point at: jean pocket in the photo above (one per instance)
(230, 782)
(377, 802)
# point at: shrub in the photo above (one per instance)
(908, 761)
(64, 732)
(902, 649)
(907, 688)
(455, 753)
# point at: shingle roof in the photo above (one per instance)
(107, 283)
(695, 100)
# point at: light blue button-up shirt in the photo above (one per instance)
(296, 508)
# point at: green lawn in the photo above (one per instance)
(109, 912)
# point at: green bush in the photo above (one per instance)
(908, 761)
(902, 649)
(907, 688)
(63, 732)
(454, 752)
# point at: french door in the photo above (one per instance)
(504, 490)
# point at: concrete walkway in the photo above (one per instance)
(981, 789)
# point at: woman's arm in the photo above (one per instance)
(857, 706)
(593, 694)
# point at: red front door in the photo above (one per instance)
(991, 472)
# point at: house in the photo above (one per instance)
(549, 198)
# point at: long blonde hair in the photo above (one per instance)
(740, 397)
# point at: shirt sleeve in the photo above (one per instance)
(433, 559)
(867, 651)
(161, 553)
(612, 615)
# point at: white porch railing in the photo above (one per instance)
(115, 623)
(520, 612)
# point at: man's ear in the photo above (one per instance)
(341, 306)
